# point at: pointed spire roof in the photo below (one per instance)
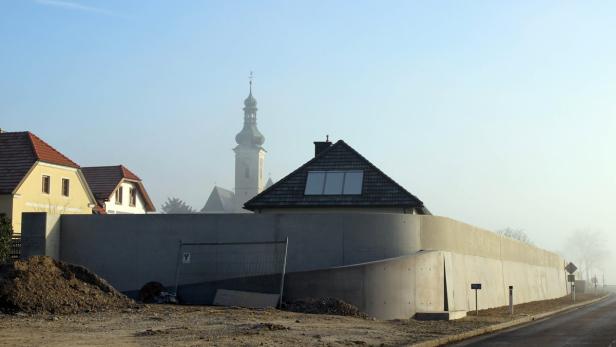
(250, 134)
(269, 183)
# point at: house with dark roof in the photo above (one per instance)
(337, 179)
(35, 177)
(117, 190)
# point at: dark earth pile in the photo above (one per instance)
(44, 285)
(324, 306)
(150, 291)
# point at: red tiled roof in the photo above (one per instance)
(126, 173)
(46, 153)
(19, 151)
(103, 180)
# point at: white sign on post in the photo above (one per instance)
(186, 258)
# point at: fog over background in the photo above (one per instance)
(496, 114)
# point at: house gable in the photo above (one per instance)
(105, 180)
(377, 189)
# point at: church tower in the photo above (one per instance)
(249, 155)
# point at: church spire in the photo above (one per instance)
(250, 135)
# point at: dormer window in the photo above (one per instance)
(118, 196)
(132, 198)
(334, 182)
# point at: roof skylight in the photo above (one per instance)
(334, 182)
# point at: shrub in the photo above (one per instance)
(6, 231)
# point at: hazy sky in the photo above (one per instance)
(494, 113)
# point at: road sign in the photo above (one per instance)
(186, 258)
(570, 278)
(570, 268)
(476, 287)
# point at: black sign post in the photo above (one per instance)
(476, 287)
(511, 300)
(571, 269)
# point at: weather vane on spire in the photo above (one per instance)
(250, 78)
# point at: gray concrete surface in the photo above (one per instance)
(593, 325)
(372, 260)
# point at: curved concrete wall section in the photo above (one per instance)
(130, 250)
(386, 289)
(400, 287)
(369, 259)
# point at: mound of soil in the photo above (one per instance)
(325, 306)
(42, 284)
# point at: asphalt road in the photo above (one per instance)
(594, 325)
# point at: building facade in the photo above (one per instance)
(35, 177)
(117, 190)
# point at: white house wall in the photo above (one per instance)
(125, 208)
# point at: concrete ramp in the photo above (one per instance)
(225, 297)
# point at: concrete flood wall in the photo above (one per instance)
(389, 265)
(386, 289)
(130, 250)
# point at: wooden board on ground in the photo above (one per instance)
(225, 297)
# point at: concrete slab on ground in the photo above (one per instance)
(440, 315)
(225, 297)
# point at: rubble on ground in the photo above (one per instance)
(154, 293)
(324, 306)
(44, 285)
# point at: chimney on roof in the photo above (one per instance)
(320, 146)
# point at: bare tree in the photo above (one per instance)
(587, 249)
(516, 234)
(175, 205)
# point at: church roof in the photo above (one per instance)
(376, 188)
(220, 200)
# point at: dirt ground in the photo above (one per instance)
(166, 325)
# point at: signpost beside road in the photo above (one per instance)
(476, 287)
(571, 278)
(511, 300)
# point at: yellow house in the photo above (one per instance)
(34, 177)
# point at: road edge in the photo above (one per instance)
(501, 326)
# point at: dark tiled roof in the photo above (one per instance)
(103, 180)
(19, 151)
(378, 189)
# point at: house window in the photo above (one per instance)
(118, 196)
(66, 186)
(132, 200)
(46, 184)
(334, 182)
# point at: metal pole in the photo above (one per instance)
(573, 291)
(476, 305)
(177, 268)
(284, 270)
(511, 300)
